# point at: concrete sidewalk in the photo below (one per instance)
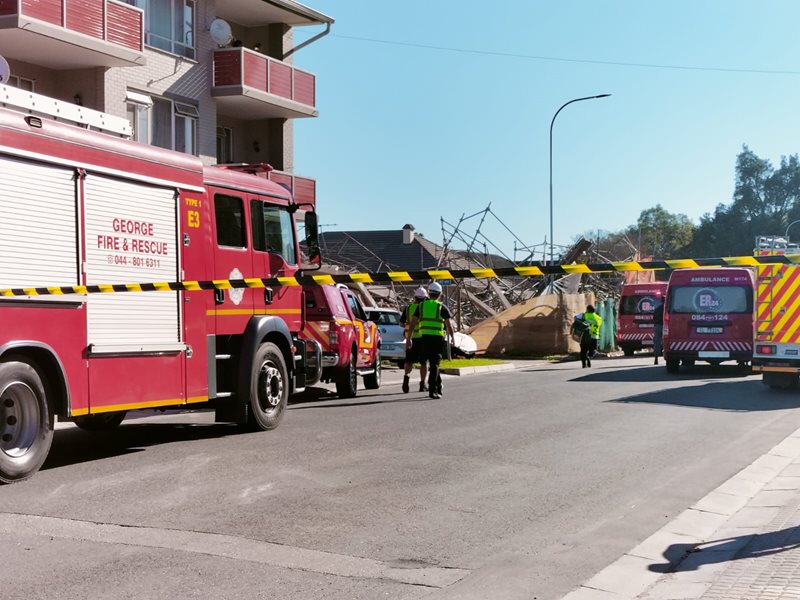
(740, 542)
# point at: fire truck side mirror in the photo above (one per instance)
(312, 241)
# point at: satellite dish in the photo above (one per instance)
(5, 70)
(220, 32)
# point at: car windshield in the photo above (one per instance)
(712, 299)
(385, 318)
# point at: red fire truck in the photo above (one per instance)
(80, 207)
(777, 336)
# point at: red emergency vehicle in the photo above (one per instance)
(709, 317)
(635, 315)
(79, 207)
(350, 342)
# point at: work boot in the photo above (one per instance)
(655, 362)
(434, 396)
(423, 387)
(588, 363)
(405, 384)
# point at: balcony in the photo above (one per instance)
(72, 34)
(303, 189)
(252, 86)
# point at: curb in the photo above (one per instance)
(630, 576)
(478, 370)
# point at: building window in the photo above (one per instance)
(163, 123)
(169, 25)
(224, 145)
(22, 83)
(186, 116)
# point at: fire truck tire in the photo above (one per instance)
(101, 422)
(347, 379)
(780, 381)
(672, 366)
(373, 380)
(269, 388)
(26, 420)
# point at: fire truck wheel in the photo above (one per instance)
(26, 420)
(347, 379)
(101, 422)
(780, 381)
(373, 380)
(672, 366)
(269, 388)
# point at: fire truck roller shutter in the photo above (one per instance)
(131, 235)
(38, 216)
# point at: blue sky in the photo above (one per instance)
(409, 134)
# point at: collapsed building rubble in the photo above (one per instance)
(507, 315)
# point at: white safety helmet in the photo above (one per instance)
(435, 288)
(420, 293)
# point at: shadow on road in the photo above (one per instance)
(73, 446)
(744, 395)
(658, 373)
(368, 400)
(690, 557)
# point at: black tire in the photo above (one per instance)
(780, 381)
(744, 367)
(689, 362)
(269, 388)
(373, 380)
(101, 422)
(627, 350)
(26, 420)
(347, 379)
(673, 366)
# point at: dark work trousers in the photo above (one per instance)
(432, 347)
(588, 346)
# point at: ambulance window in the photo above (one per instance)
(272, 230)
(229, 216)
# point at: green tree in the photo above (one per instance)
(662, 234)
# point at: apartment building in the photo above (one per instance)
(213, 78)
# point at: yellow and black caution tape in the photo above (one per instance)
(533, 270)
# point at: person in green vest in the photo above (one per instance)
(413, 353)
(590, 338)
(434, 320)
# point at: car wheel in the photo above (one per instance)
(373, 380)
(347, 379)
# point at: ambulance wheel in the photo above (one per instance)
(689, 362)
(744, 367)
(672, 366)
(347, 379)
(627, 350)
(269, 388)
(26, 420)
(373, 380)
(101, 422)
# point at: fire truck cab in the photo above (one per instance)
(87, 208)
(777, 330)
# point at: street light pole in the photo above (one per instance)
(551, 160)
(786, 235)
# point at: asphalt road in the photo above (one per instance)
(516, 485)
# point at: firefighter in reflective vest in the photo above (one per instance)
(434, 320)
(589, 342)
(413, 354)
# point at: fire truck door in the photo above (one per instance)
(233, 308)
(274, 255)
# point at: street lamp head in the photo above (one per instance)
(603, 96)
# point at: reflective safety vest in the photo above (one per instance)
(411, 310)
(595, 321)
(430, 318)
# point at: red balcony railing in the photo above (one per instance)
(240, 67)
(303, 189)
(108, 20)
